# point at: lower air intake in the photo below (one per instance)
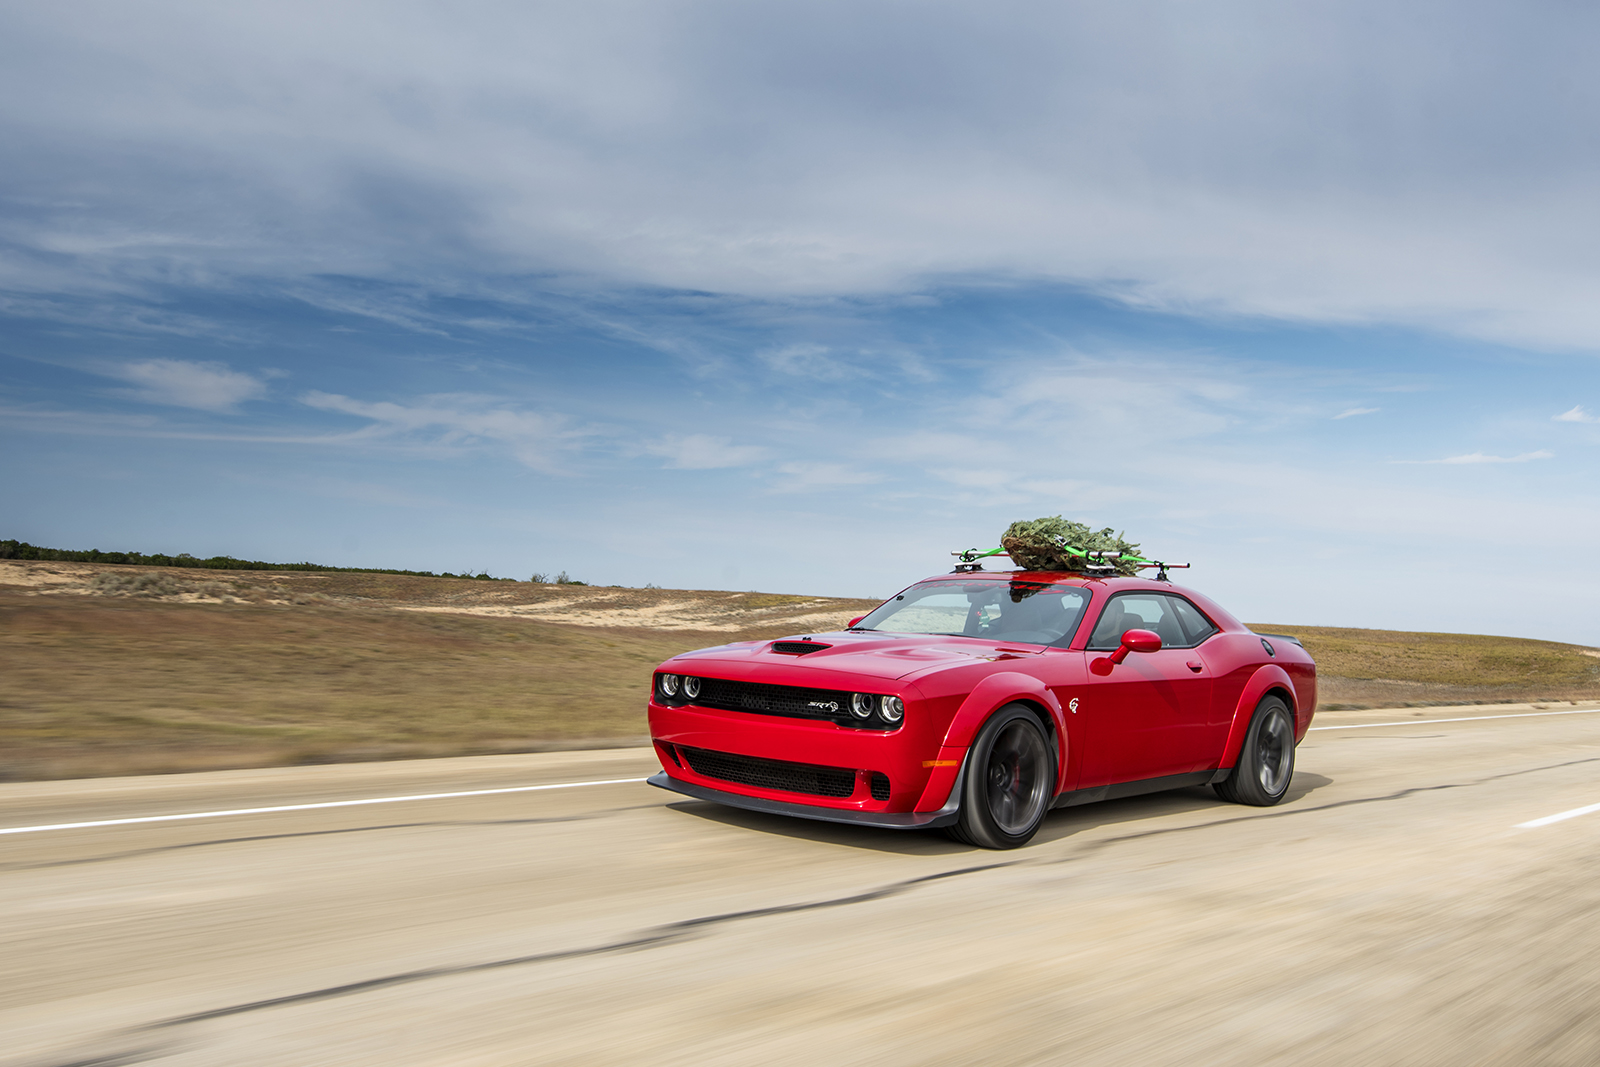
(770, 773)
(880, 787)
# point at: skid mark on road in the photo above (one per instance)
(112, 1059)
(661, 935)
(134, 853)
(1288, 813)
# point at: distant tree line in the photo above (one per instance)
(23, 550)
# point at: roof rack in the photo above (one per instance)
(971, 559)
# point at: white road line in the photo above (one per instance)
(309, 807)
(1464, 718)
(1548, 819)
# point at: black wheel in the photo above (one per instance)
(1010, 781)
(1266, 761)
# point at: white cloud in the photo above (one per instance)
(1479, 457)
(1380, 176)
(805, 475)
(809, 361)
(203, 386)
(1353, 412)
(1577, 414)
(698, 451)
(536, 439)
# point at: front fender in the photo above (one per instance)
(987, 697)
(1268, 676)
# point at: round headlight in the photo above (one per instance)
(860, 705)
(893, 709)
(691, 687)
(669, 685)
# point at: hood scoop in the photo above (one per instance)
(798, 648)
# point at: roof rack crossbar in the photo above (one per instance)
(970, 559)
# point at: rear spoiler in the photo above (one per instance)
(1280, 637)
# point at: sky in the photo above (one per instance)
(803, 297)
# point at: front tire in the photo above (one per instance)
(1010, 781)
(1266, 760)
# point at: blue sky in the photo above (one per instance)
(800, 298)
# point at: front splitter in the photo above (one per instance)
(883, 820)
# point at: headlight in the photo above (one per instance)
(691, 687)
(669, 685)
(893, 709)
(861, 705)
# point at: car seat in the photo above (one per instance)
(1168, 630)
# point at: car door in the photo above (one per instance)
(1150, 715)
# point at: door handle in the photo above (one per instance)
(1195, 666)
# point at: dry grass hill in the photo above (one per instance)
(118, 670)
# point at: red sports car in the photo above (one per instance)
(978, 701)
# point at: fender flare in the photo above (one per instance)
(1268, 676)
(994, 693)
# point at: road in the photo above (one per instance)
(1390, 911)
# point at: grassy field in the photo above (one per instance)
(119, 670)
(122, 670)
(1389, 668)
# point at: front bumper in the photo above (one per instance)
(886, 820)
(919, 768)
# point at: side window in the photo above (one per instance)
(1178, 622)
(1196, 627)
(1135, 611)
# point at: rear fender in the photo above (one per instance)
(994, 693)
(1268, 676)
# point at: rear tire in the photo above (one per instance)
(1010, 781)
(1266, 760)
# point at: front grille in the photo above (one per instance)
(794, 701)
(770, 773)
(880, 787)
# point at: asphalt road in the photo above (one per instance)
(1391, 911)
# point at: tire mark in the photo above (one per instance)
(1286, 813)
(112, 1059)
(656, 937)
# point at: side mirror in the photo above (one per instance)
(1137, 641)
(853, 621)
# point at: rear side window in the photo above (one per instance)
(1178, 622)
(1196, 627)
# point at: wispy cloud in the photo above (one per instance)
(535, 438)
(819, 362)
(802, 476)
(1577, 414)
(699, 452)
(1353, 412)
(1480, 457)
(202, 386)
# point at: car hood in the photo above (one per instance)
(890, 657)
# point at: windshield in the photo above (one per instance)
(1037, 613)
